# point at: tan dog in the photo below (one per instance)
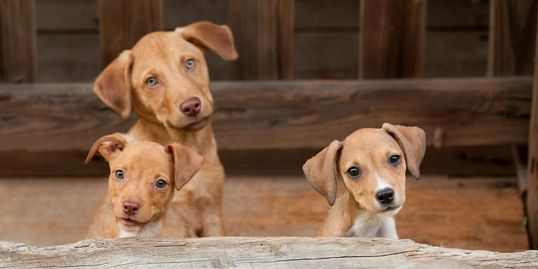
(141, 185)
(165, 78)
(371, 164)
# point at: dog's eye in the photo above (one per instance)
(160, 183)
(189, 64)
(354, 172)
(394, 159)
(119, 174)
(152, 82)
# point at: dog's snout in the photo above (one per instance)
(130, 208)
(191, 107)
(385, 196)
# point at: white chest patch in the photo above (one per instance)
(368, 225)
(150, 230)
(365, 225)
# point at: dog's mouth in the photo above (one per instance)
(390, 210)
(197, 124)
(129, 223)
(194, 125)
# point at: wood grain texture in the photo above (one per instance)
(392, 38)
(263, 32)
(124, 22)
(532, 167)
(280, 252)
(286, 114)
(57, 210)
(17, 41)
(512, 36)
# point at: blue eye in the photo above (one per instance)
(160, 183)
(119, 174)
(394, 159)
(354, 172)
(152, 82)
(189, 64)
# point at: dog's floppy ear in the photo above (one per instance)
(186, 163)
(217, 38)
(113, 85)
(412, 140)
(108, 146)
(321, 171)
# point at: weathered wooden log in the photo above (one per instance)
(285, 114)
(244, 252)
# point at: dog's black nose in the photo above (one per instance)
(385, 196)
(191, 107)
(130, 208)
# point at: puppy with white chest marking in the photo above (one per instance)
(363, 179)
(140, 200)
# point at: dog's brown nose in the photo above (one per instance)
(385, 196)
(191, 107)
(130, 208)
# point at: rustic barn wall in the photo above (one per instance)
(326, 37)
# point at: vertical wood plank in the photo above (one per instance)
(392, 38)
(124, 22)
(532, 183)
(263, 31)
(17, 41)
(512, 36)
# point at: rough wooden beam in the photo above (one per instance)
(392, 39)
(285, 114)
(17, 41)
(124, 22)
(245, 252)
(263, 32)
(532, 170)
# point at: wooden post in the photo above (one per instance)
(124, 22)
(532, 182)
(512, 36)
(263, 31)
(17, 41)
(392, 38)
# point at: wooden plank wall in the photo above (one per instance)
(124, 22)
(326, 37)
(263, 33)
(532, 175)
(17, 41)
(392, 39)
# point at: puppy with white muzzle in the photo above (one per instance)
(363, 179)
(141, 199)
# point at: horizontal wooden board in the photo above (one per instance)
(312, 15)
(73, 15)
(456, 54)
(459, 161)
(245, 252)
(328, 55)
(479, 213)
(285, 114)
(67, 58)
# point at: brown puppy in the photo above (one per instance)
(165, 78)
(141, 185)
(363, 179)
